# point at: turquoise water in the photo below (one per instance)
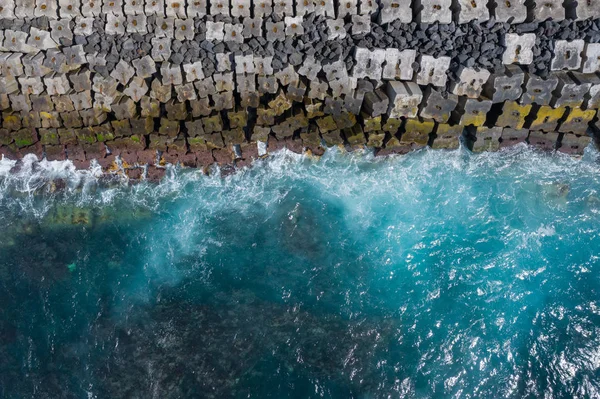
(432, 275)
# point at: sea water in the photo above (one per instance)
(432, 275)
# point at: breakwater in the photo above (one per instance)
(141, 84)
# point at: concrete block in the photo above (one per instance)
(59, 28)
(570, 91)
(136, 89)
(224, 81)
(369, 64)
(31, 86)
(171, 74)
(437, 106)
(80, 80)
(193, 71)
(240, 8)
(16, 41)
(310, 68)
(548, 9)
(470, 82)
(304, 7)
(293, 26)
(252, 27)
(538, 90)
(511, 137)
(114, 7)
(68, 9)
(137, 24)
(41, 39)
(287, 76)
(161, 92)
(432, 11)
(361, 24)
(391, 10)
(335, 29)
(263, 66)
(186, 92)
(317, 89)
(546, 118)
(487, 139)
(157, 7)
(433, 70)
(81, 100)
(215, 31)
(246, 83)
(233, 33)
(416, 133)
(144, 67)
(469, 10)
(513, 115)
(567, 55)
(325, 8)
(586, 9)
(447, 137)
(223, 100)
(283, 8)
(11, 64)
(591, 58)
(184, 29)
(165, 27)
(219, 7)
(175, 9)
(115, 24)
(574, 144)
(161, 49)
(511, 11)
(404, 99)
(7, 10)
(471, 111)
(577, 121)
(262, 8)
(196, 8)
(275, 31)
(244, 64)
(74, 55)
(205, 87)
(593, 97)
(56, 84)
(519, 48)
(8, 85)
(133, 7)
(505, 86)
(376, 103)
(542, 140)
(43, 8)
(347, 8)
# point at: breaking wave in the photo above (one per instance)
(436, 274)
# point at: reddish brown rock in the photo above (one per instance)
(222, 156)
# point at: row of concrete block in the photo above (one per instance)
(123, 144)
(27, 86)
(425, 11)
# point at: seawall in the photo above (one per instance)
(198, 82)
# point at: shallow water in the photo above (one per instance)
(437, 274)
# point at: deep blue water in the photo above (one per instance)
(432, 275)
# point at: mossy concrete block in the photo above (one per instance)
(25, 137)
(67, 136)
(447, 137)
(49, 136)
(86, 136)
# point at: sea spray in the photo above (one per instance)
(434, 274)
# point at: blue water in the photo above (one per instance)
(432, 275)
